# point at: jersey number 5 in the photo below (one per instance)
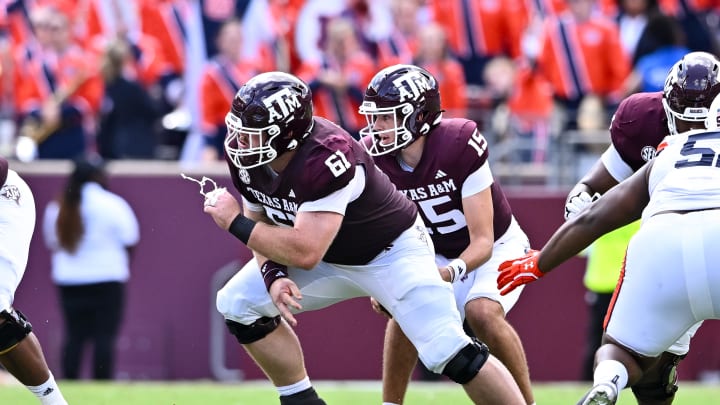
(707, 156)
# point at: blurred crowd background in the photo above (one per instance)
(153, 79)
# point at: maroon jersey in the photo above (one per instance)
(3, 171)
(638, 126)
(326, 162)
(453, 150)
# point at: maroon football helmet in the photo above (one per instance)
(270, 114)
(410, 93)
(690, 87)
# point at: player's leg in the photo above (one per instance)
(487, 320)
(485, 309)
(649, 312)
(20, 351)
(406, 282)
(21, 355)
(399, 360)
(254, 320)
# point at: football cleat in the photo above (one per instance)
(600, 394)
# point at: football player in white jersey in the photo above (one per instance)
(671, 278)
(20, 351)
(640, 123)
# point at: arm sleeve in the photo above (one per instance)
(338, 200)
(615, 165)
(477, 181)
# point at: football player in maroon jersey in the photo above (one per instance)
(20, 351)
(640, 123)
(311, 195)
(442, 166)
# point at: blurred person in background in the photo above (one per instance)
(222, 77)
(433, 54)
(665, 45)
(90, 232)
(59, 90)
(632, 17)
(581, 55)
(128, 114)
(337, 80)
(400, 44)
(20, 351)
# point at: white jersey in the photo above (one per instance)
(686, 173)
(17, 222)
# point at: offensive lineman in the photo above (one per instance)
(311, 195)
(20, 351)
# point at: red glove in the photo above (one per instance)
(516, 272)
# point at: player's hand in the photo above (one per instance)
(377, 307)
(516, 272)
(222, 207)
(285, 295)
(579, 202)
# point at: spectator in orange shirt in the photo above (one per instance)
(477, 31)
(339, 78)
(59, 91)
(400, 45)
(222, 77)
(433, 54)
(581, 55)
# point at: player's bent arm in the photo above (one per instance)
(620, 206)
(596, 180)
(478, 209)
(303, 245)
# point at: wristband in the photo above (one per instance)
(272, 271)
(457, 268)
(242, 227)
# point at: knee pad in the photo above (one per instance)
(257, 330)
(13, 330)
(467, 362)
(664, 384)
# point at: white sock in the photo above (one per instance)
(611, 371)
(389, 403)
(48, 392)
(299, 386)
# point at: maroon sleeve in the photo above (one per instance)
(638, 126)
(329, 168)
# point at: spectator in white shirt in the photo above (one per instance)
(91, 233)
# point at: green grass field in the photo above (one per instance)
(334, 393)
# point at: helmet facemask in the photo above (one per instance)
(398, 134)
(259, 150)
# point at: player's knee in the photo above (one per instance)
(465, 365)
(257, 330)
(13, 329)
(663, 384)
